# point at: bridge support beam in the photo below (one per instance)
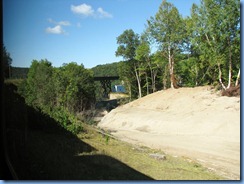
(106, 85)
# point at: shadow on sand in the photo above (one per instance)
(39, 149)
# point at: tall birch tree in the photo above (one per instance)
(167, 27)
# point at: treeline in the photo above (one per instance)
(110, 69)
(59, 92)
(201, 49)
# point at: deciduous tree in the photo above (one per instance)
(167, 27)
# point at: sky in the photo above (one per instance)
(81, 31)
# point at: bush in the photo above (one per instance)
(59, 92)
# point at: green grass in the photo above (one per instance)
(172, 168)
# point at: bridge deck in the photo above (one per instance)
(106, 78)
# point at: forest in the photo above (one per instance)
(172, 51)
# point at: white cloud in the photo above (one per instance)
(55, 30)
(103, 14)
(62, 23)
(83, 9)
(87, 10)
(58, 29)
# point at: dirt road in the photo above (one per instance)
(192, 122)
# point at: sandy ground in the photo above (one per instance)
(196, 123)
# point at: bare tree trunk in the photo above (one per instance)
(147, 84)
(151, 72)
(220, 77)
(238, 76)
(154, 81)
(171, 68)
(230, 67)
(165, 77)
(138, 81)
(196, 82)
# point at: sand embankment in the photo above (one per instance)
(193, 122)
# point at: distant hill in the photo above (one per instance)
(110, 69)
(19, 72)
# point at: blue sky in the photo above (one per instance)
(82, 31)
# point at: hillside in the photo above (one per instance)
(196, 123)
(110, 69)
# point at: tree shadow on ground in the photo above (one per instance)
(39, 149)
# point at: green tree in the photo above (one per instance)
(75, 87)
(167, 27)
(40, 91)
(143, 56)
(128, 42)
(60, 92)
(216, 32)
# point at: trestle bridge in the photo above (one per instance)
(106, 84)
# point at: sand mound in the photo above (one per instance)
(193, 122)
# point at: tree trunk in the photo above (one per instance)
(220, 77)
(230, 66)
(165, 78)
(154, 81)
(151, 72)
(238, 76)
(138, 81)
(171, 68)
(147, 84)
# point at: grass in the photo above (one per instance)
(39, 148)
(137, 157)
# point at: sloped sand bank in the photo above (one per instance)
(192, 122)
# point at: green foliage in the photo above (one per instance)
(60, 92)
(215, 30)
(40, 85)
(201, 49)
(75, 87)
(110, 69)
(128, 42)
(167, 27)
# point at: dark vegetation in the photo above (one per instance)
(6, 62)
(39, 148)
(18, 72)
